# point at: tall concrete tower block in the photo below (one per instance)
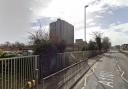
(62, 31)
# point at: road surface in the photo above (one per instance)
(110, 72)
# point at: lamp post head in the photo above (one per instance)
(86, 6)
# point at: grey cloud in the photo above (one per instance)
(43, 21)
(15, 18)
(40, 3)
(95, 2)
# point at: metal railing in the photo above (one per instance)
(67, 77)
(51, 64)
(18, 72)
(69, 58)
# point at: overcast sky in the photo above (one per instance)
(107, 16)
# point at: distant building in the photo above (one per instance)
(117, 47)
(62, 31)
(79, 45)
(124, 46)
(79, 41)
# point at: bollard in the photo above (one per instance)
(33, 83)
(28, 85)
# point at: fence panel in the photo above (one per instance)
(18, 72)
(77, 66)
(65, 78)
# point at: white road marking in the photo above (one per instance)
(122, 76)
(119, 68)
(103, 78)
(122, 72)
(110, 84)
(106, 74)
(106, 78)
(125, 79)
(89, 74)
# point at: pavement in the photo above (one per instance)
(109, 72)
(126, 51)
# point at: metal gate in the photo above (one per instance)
(19, 72)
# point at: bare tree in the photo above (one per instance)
(40, 41)
(18, 45)
(92, 45)
(46, 49)
(106, 43)
(38, 37)
(7, 44)
(98, 39)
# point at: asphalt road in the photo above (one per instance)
(110, 72)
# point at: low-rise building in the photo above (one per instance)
(124, 47)
(79, 45)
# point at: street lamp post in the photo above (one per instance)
(85, 22)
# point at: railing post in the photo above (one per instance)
(36, 78)
(83, 55)
(43, 83)
(36, 71)
(2, 74)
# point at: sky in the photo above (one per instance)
(19, 17)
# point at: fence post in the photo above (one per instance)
(83, 55)
(36, 71)
(37, 78)
(43, 83)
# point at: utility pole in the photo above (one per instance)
(85, 22)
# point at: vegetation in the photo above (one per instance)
(92, 45)
(98, 37)
(43, 45)
(5, 55)
(12, 49)
(106, 44)
(1, 51)
(46, 49)
(12, 46)
(99, 43)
